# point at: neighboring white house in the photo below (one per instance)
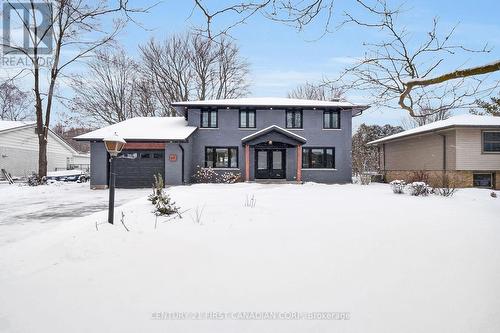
(19, 150)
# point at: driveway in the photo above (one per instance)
(35, 209)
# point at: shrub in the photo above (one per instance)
(365, 179)
(230, 177)
(419, 189)
(162, 201)
(35, 180)
(493, 194)
(398, 186)
(448, 187)
(205, 175)
(208, 175)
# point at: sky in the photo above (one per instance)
(281, 58)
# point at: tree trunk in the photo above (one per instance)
(42, 153)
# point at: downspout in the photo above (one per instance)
(383, 152)
(182, 161)
(443, 180)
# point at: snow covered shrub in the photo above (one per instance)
(205, 175)
(448, 187)
(208, 175)
(35, 180)
(493, 194)
(365, 179)
(398, 186)
(162, 201)
(419, 189)
(230, 177)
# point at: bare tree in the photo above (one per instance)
(15, 104)
(106, 92)
(391, 70)
(69, 132)
(320, 92)
(427, 116)
(399, 71)
(73, 27)
(192, 66)
(295, 13)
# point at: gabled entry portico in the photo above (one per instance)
(271, 149)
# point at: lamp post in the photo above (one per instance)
(114, 145)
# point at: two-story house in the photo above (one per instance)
(259, 138)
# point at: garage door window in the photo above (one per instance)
(130, 156)
(142, 156)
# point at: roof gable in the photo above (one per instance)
(297, 139)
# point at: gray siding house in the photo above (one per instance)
(258, 138)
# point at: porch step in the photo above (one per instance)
(275, 181)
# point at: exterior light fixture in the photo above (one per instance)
(114, 145)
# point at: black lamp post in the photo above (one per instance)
(114, 145)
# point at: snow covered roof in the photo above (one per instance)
(8, 124)
(144, 129)
(466, 120)
(271, 129)
(273, 102)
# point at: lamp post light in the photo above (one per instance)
(114, 145)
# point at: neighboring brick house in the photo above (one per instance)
(259, 138)
(466, 148)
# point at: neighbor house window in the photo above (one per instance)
(221, 157)
(209, 119)
(294, 118)
(247, 118)
(491, 142)
(318, 158)
(331, 119)
(482, 180)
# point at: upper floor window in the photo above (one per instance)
(221, 157)
(293, 118)
(318, 158)
(331, 119)
(491, 142)
(247, 118)
(208, 118)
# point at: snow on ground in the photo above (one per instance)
(396, 263)
(44, 207)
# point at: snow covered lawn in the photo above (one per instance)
(396, 263)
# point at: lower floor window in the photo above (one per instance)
(221, 157)
(483, 180)
(318, 158)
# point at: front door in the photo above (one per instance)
(270, 163)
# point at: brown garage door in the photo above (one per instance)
(135, 168)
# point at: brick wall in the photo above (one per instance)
(435, 177)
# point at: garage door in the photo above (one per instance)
(135, 168)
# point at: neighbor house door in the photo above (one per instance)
(270, 163)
